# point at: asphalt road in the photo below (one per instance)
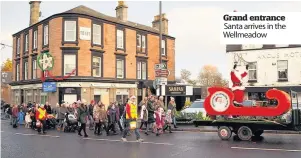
(26, 143)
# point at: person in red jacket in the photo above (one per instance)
(238, 88)
(41, 115)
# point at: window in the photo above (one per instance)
(282, 66)
(34, 69)
(18, 72)
(45, 39)
(120, 68)
(141, 40)
(26, 42)
(141, 70)
(35, 39)
(120, 39)
(69, 63)
(44, 98)
(253, 71)
(163, 48)
(26, 70)
(70, 31)
(96, 66)
(18, 46)
(97, 34)
(121, 98)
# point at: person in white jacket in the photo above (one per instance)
(143, 116)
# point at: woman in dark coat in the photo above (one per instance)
(151, 110)
(82, 118)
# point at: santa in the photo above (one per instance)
(237, 78)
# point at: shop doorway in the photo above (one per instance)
(121, 98)
(70, 98)
(97, 98)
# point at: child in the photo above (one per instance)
(144, 117)
(168, 120)
(159, 114)
(27, 120)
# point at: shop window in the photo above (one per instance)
(282, 68)
(44, 98)
(121, 98)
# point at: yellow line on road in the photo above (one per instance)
(112, 140)
(265, 149)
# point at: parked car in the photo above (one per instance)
(196, 107)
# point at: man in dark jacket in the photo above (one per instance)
(112, 112)
(90, 115)
(48, 108)
(151, 110)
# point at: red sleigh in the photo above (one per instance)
(220, 102)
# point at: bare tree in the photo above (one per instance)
(210, 76)
(185, 74)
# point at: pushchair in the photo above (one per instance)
(51, 122)
(70, 123)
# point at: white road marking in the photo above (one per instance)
(112, 140)
(25, 134)
(266, 149)
(2, 131)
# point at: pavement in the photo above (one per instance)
(26, 143)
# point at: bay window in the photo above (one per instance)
(70, 31)
(97, 34)
(45, 35)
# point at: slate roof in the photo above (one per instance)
(88, 11)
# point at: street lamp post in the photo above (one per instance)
(160, 41)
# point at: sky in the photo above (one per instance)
(195, 24)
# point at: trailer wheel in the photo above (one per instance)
(224, 132)
(258, 133)
(244, 133)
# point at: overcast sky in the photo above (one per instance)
(194, 24)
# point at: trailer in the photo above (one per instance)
(246, 129)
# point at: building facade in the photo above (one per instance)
(6, 78)
(270, 66)
(113, 58)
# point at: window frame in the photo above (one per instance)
(165, 46)
(256, 70)
(139, 63)
(24, 73)
(43, 35)
(139, 49)
(94, 22)
(34, 71)
(124, 38)
(26, 42)
(17, 73)
(35, 41)
(76, 30)
(70, 52)
(278, 77)
(124, 66)
(18, 46)
(100, 55)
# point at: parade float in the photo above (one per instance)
(249, 121)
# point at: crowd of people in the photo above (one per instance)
(151, 113)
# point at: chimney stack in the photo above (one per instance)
(122, 11)
(156, 23)
(34, 12)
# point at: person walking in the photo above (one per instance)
(15, 112)
(151, 110)
(82, 118)
(100, 116)
(90, 114)
(41, 115)
(48, 108)
(61, 112)
(112, 119)
(172, 107)
(131, 115)
(143, 116)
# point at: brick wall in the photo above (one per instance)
(84, 53)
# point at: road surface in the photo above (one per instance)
(26, 143)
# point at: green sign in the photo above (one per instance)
(45, 61)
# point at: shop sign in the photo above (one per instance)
(175, 90)
(85, 33)
(49, 86)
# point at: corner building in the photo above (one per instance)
(113, 57)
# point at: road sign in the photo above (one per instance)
(162, 73)
(161, 66)
(163, 81)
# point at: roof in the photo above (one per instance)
(238, 47)
(83, 10)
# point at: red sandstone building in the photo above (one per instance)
(111, 55)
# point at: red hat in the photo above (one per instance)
(92, 101)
